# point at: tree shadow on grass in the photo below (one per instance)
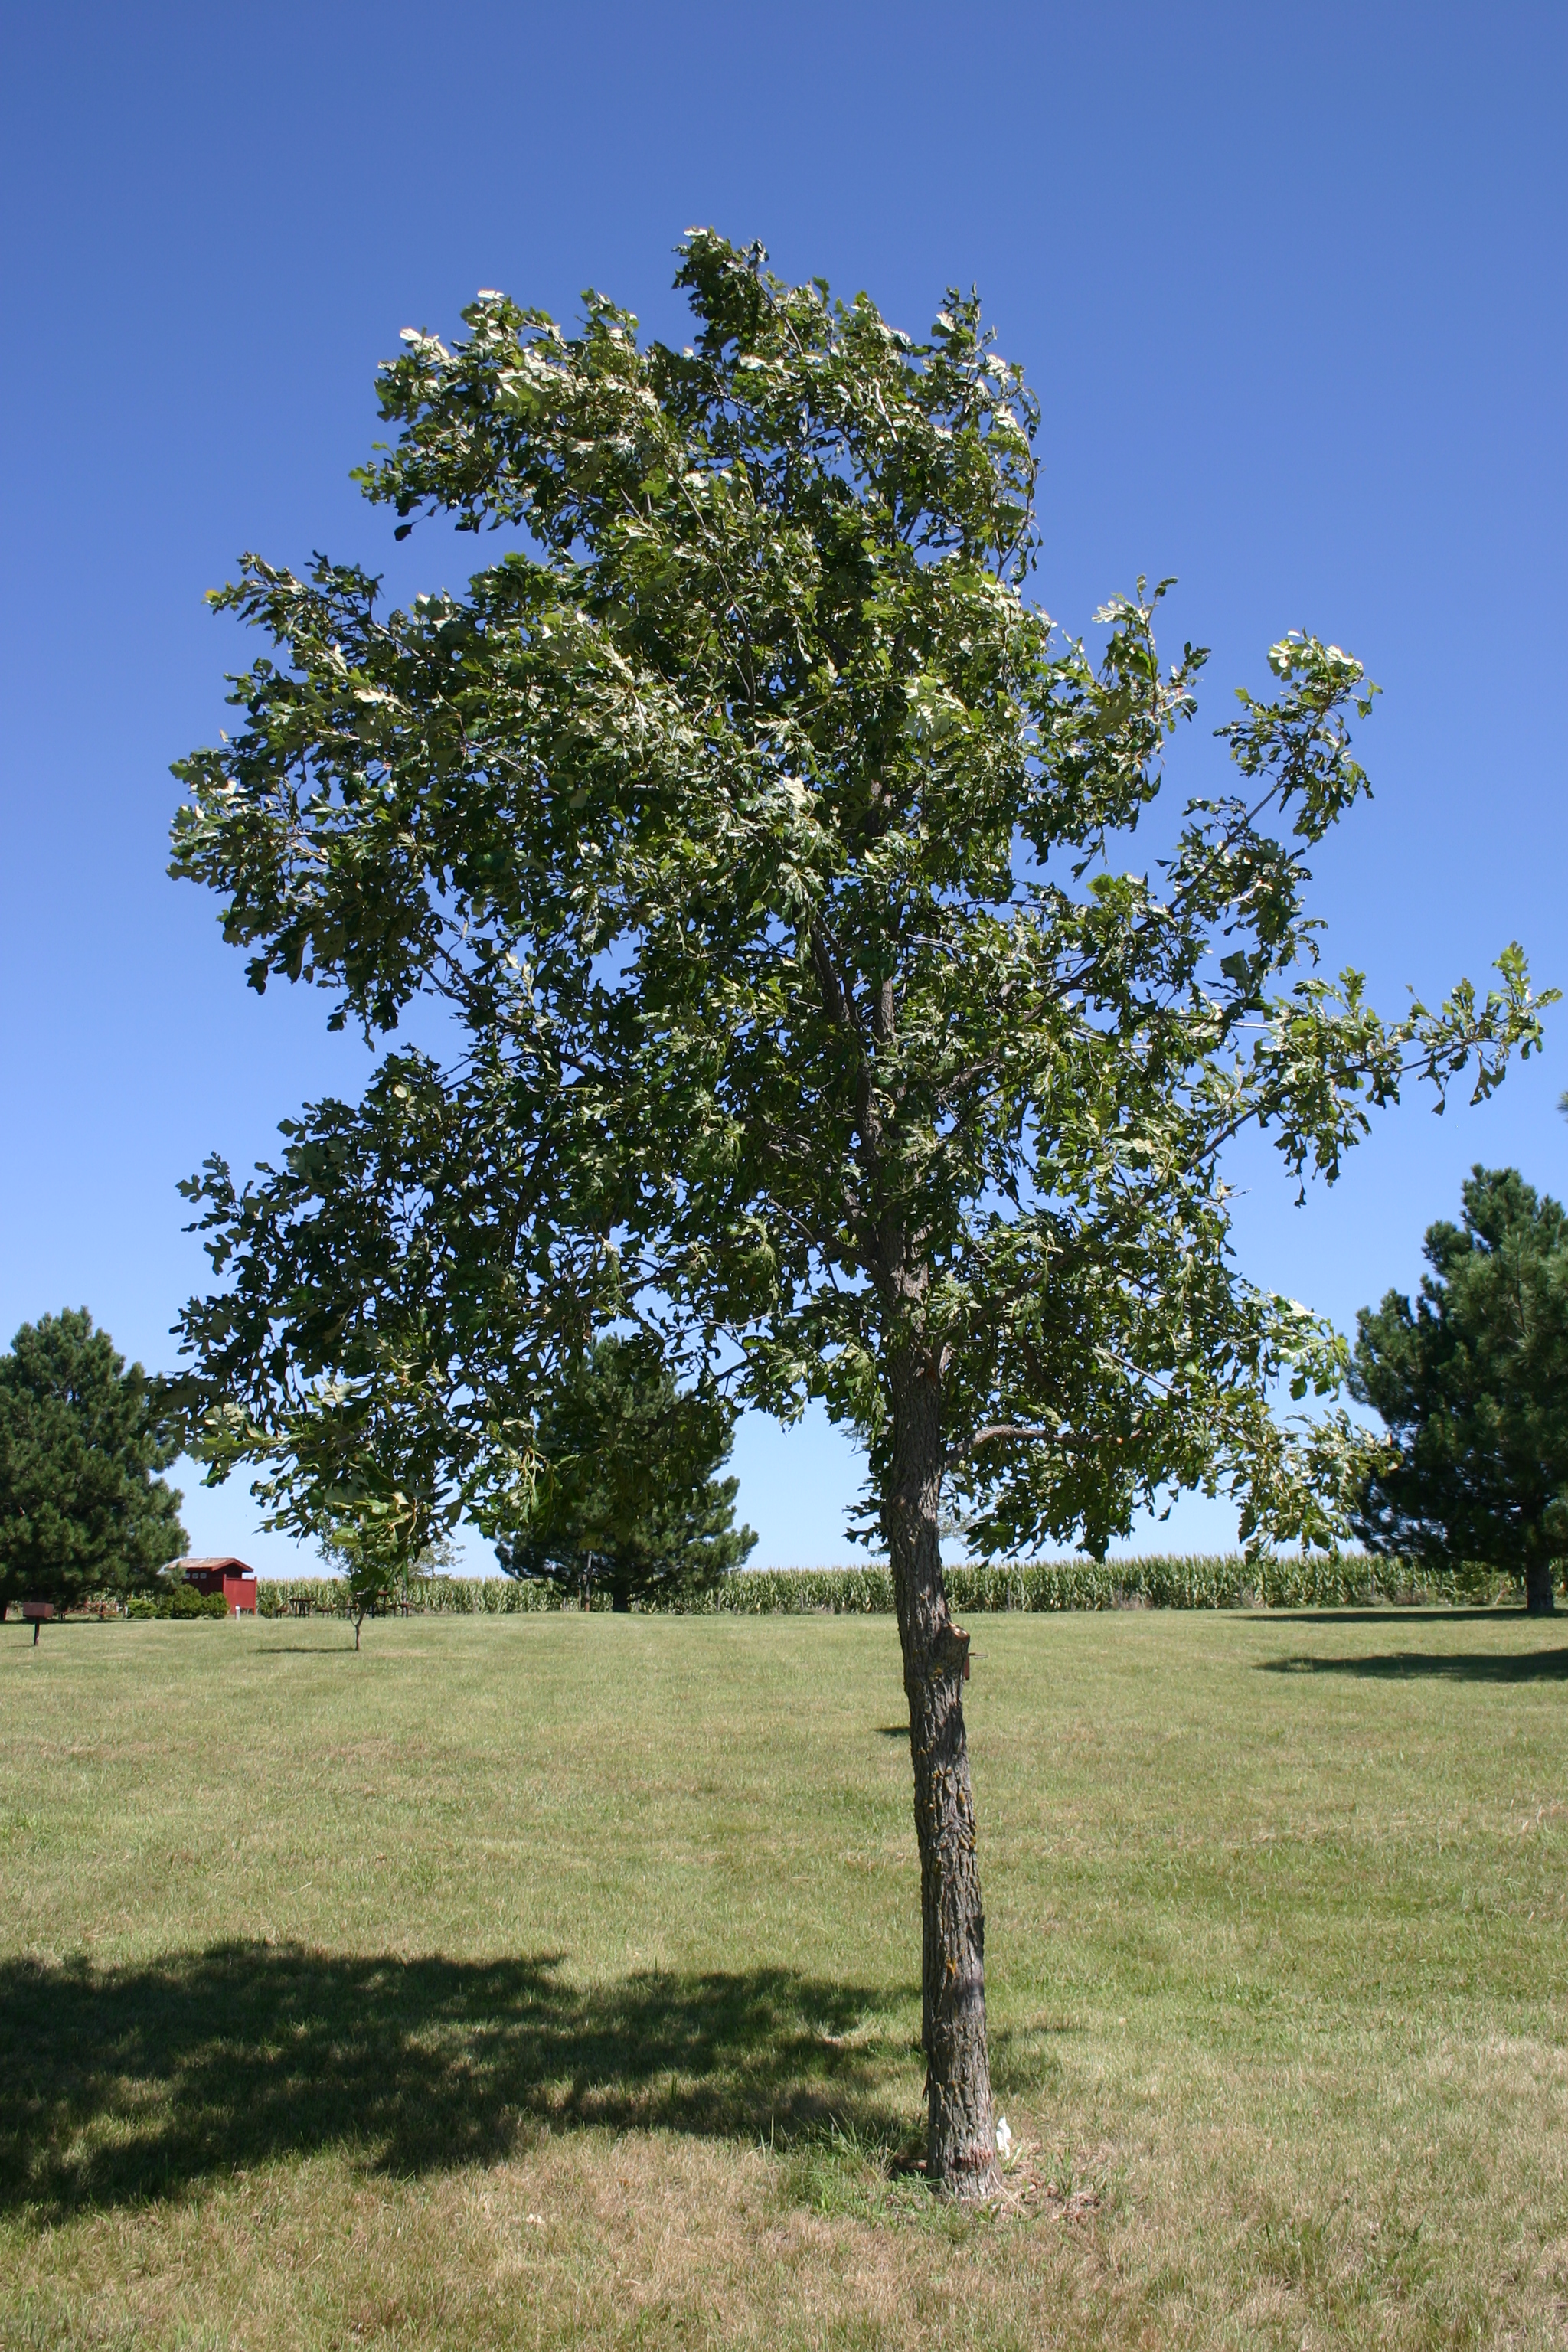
(1413, 1665)
(121, 2084)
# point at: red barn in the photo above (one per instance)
(230, 1576)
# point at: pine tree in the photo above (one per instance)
(81, 1436)
(1472, 1384)
(624, 1494)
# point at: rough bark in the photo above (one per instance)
(961, 2141)
(1538, 1593)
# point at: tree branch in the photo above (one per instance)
(1070, 1439)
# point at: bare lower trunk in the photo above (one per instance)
(1538, 1594)
(961, 2142)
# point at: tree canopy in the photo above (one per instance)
(1472, 1384)
(626, 1496)
(767, 853)
(81, 1436)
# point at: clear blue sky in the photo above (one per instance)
(1288, 282)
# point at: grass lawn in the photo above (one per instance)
(553, 1981)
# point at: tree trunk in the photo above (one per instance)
(1538, 1583)
(961, 2135)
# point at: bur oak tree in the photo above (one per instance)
(1471, 1383)
(82, 1436)
(766, 853)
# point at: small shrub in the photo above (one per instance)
(188, 1602)
(184, 1601)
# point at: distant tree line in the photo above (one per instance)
(1470, 1381)
(626, 1501)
